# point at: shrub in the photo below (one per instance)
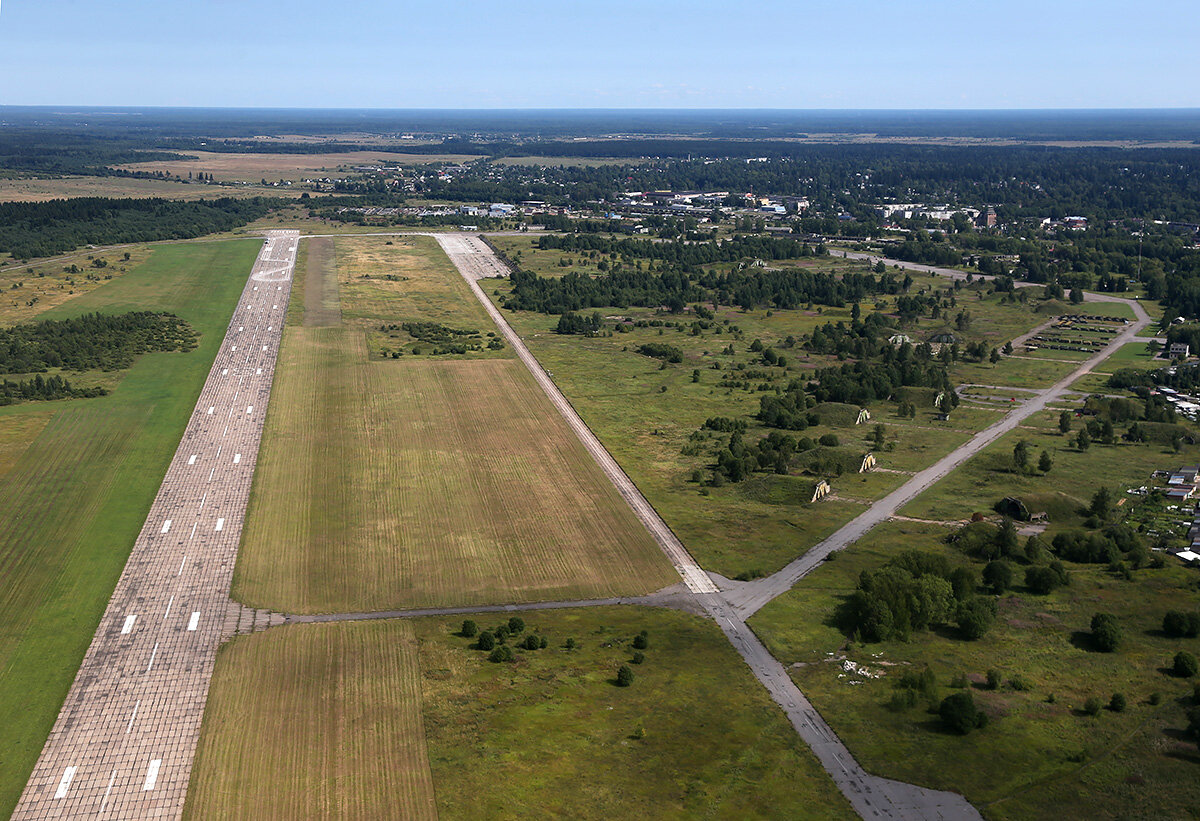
(1106, 633)
(1184, 665)
(532, 642)
(998, 575)
(639, 657)
(1020, 684)
(1117, 703)
(959, 714)
(624, 676)
(486, 640)
(570, 645)
(960, 681)
(1092, 706)
(543, 643)
(829, 440)
(641, 641)
(501, 633)
(1155, 698)
(975, 617)
(515, 625)
(1041, 579)
(501, 654)
(1178, 624)
(469, 628)
(993, 679)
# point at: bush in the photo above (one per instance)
(469, 629)
(641, 641)
(532, 642)
(993, 679)
(829, 440)
(1020, 684)
(975, 617)
(1106, 633)
(998, 575)
(624, 676)
(1092, 706)
(1184, 665)
(959, 714)
(1041, 580)
(1178, 624)
(486, 640)
(501, 654)
(570, 645)
(1117, 703)
(639, 657)
(515, 625)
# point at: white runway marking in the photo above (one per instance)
(152, 774)
(250, 409)
(235, 347)
(264, 347)
(166, 526)
(237, 457)
(193, 621)
(210, 474)
(224, 371)
(192, 535)
(259, 371)
(182, 562)
(132, 716)
(104, 802)
(192, 460)
(220, 525)
(153, 653)
(65, 783)
(211, 408)
(128, 627)
(168, 610)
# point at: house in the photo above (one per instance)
(1180, 493)
(1179, 350)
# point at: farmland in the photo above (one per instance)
(423, 480)
(79, 478)
(547, 735)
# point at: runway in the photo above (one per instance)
(124, 741)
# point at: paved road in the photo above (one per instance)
(749, 597)
(123, 744)
(871, 796)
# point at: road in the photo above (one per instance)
(124, 741)
(871, 796)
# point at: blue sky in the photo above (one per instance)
(612, 54)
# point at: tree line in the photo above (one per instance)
(92, 341)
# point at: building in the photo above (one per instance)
(1179, 350)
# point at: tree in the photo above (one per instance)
(1045, 462)
(638, 657)
(1117, 703)
(1083, 440)
(959, 714)
(1102, 503)
(1041, 580)
(1092, 705)
(641, 641)
(1106, 633)
(976, 616)
(515, 625)
(829, 440)
(486, 640)
(1076, 296)
(1064, 422)
(624, 676)
(501, 654)
(878, 436)
(532, 642)
(1178, 624)
(1008, 348)
(469, 628)
(1021, 455)
(1184, 665)
(994, 357)
(998, 575)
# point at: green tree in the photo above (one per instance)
(1064, 422)
(1082, 441)
(879, 436)
(1178, 624)
(1021, 455)
(469, 628)
(1117, 703)
(1045, 462)
(959, 714)
(1184, 665)
(1102, 503)
(515, 625)
(641, 641)
(486, 640)
(1106, 632)
(501, 654)
(624, 676)
(998, 576)
(1092, 706)
(976, 616)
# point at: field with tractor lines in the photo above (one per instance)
(315, 721)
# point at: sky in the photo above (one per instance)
(965, 54)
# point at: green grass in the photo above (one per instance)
(76, 497)
(564, 741)
(1043, 756)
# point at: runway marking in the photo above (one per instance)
(152, 775)
(182, 562)
(219, 448)
(202, 500)
(153, 653)
(170, 602)
(128, 627)
(226, 431)
(132, 716)
(65, 783)
(258, 372)
(240, 328)
(210, 474)
(225, 372)
(268, 327)
(111, 779)
(192, 460)
(220, 525)
(264, 347)
(193, 621)
(237, 457)
(192, 535)
(211, 408)
(166, 526)
(273, 307)
(250, 409)
(235, 347)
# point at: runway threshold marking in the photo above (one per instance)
(237, 457)
(152, 775)
(128, 628)
(192, 460)
(64, 783)
(193, 621)
(166, 526)
(220, 525)
(132, 716)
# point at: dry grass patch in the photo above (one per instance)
(321, 305)
(315, 721)
(42, 190)
(413, 483)
(273, 167)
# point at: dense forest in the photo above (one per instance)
(41, 229)
(91, 342)
(43, 388)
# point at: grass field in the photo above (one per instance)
(1045, 757)
(79, 485)
(32, 189)
(547, 736)
(315, 721)
(413, 482)
(272, 167)
(28, 292)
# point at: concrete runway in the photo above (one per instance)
(123, 744)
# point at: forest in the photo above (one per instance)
(91, 342)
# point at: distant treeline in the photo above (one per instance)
(91, 342)
(41, 388)
(41, 229)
